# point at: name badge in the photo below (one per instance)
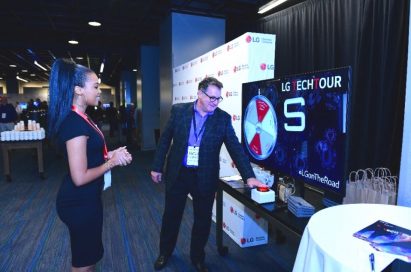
(3, 116)
(107, 180)
(192, 155)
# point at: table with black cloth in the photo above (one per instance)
(276, 213)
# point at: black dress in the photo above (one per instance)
(80, 207)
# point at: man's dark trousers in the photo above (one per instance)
(174, 208)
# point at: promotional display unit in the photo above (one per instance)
(297, 126)
(250, 57)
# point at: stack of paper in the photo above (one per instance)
(299, 207)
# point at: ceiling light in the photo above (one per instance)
(22, 79)
(79, 58)
(73, 42)
(38, 64)
(24, 71)
(1, 78)
(101, 67)
(270, 5)
(32, 74)
(94, 23)
(135, 70)
(13, 65)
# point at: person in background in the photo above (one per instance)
(112, 117)
(130, 123)
(96, 113)
(72, 88)
(8, 115)
(19, 111)
(195, 132)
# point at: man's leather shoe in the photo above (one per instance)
(161, 262)
(200, 267)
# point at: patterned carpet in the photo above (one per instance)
(32, 238)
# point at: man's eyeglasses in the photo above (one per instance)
(213, 98)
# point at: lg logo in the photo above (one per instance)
(246, 240)
(249, 39)
(264, 66)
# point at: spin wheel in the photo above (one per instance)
(260, 127)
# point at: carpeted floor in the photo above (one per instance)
(32, 238)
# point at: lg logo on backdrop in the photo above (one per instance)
(249, 39)
(234, 93)
(236, 117)
(264, 66)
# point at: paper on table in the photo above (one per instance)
(234, 181)
(228, 178)
(387, 237)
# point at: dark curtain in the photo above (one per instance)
(371, 36)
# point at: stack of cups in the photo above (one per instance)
(19, 126)
(16, 135)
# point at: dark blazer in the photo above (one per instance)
(218, 130)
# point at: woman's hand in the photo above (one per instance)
(120, 156)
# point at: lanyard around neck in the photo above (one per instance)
(195, 127)
(93, 125)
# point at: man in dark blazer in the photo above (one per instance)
(196, 132)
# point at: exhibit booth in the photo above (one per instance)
(250, 57)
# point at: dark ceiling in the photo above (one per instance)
(40, 30)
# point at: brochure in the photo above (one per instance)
(387, 237)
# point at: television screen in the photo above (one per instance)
(296, 125)
(23, 105)
(106, 106)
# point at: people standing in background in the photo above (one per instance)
(96, 113)
(112, 116)
(73, 87)
(8, 115)
(19, 110)
(192, 141)
(131, 123)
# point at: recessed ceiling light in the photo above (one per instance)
(79, 58)
(94, 23)
(32, 74)
(22, 79)
(1, 78)
(270, 5)
(13, 65)
(73, 42)
(135, 70)
(39, 65)
(24, 71)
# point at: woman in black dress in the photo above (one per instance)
(72, 88)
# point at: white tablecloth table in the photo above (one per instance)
(328, 243)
